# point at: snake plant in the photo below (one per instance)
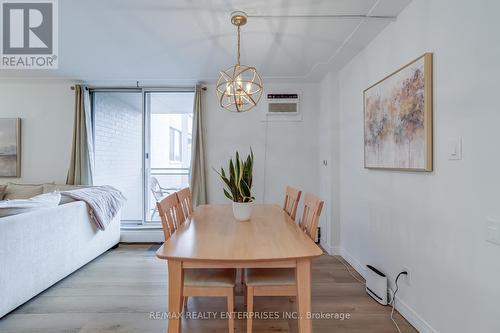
(238, 179)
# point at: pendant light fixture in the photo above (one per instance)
(239, 87)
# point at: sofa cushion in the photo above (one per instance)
(2, 191)
(18, 206)
(22, 191)
(51, 187)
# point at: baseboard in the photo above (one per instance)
(413, 318)
(142, 236)
(331, 250)
(353, 261)
(404, 309)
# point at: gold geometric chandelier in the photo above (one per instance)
(239, 87)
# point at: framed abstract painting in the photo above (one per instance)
(10, 147)
(398, 119)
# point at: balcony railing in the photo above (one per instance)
(170, 180)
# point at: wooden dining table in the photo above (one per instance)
(212, 238)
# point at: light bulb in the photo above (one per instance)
(249, 87)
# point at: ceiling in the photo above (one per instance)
(191, 40)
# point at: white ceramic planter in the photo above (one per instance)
(242, 210)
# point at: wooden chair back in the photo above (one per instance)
(310, 217)
(170, 213)
(292, 198)
(185, 200)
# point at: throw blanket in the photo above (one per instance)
(103, 202)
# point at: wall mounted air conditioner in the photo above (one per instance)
(376, 284)
(282, 107)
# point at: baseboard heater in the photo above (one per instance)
(376, 284)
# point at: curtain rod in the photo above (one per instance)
(135, 88)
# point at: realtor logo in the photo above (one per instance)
(28, 34)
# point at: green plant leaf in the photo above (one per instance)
(249, 169)
(240, 175)
(227, 182)
(231, 172)
(222, 175)
(228, 195)
(245, 190)
(238, 179)
(237, 164)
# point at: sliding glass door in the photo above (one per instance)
(170, 123)
(142, 146)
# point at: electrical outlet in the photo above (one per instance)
(407, 277)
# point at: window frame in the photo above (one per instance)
(145, 141)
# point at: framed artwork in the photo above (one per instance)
(398, 119)
(10, 147)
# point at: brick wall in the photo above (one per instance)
(118, 147)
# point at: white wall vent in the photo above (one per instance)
(283, 107)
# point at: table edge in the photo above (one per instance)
(237, 259)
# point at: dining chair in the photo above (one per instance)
(170, 214)
(186, 206)
(292, 198)
(310, 215)
(198, 282)
(281, 281)
(186, 201)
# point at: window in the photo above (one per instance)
(175, 150)
(170, 129)
(142, 145)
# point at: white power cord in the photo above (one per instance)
(393, 300)
(392, 318)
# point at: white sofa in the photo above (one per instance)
(41, 247)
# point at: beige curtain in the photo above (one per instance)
(81, 163)
(197, 182)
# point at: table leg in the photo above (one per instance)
(175, 297)
(304, 294)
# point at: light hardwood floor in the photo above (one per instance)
(118, 291)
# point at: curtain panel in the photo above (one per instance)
(198, 181)
(82, 156)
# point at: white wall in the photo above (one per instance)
(46, 108)
(433, 223)
(292, 150)
(328, 142)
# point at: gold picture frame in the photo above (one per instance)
(10, 147)
(397, 119)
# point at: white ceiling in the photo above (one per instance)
(191, 40)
